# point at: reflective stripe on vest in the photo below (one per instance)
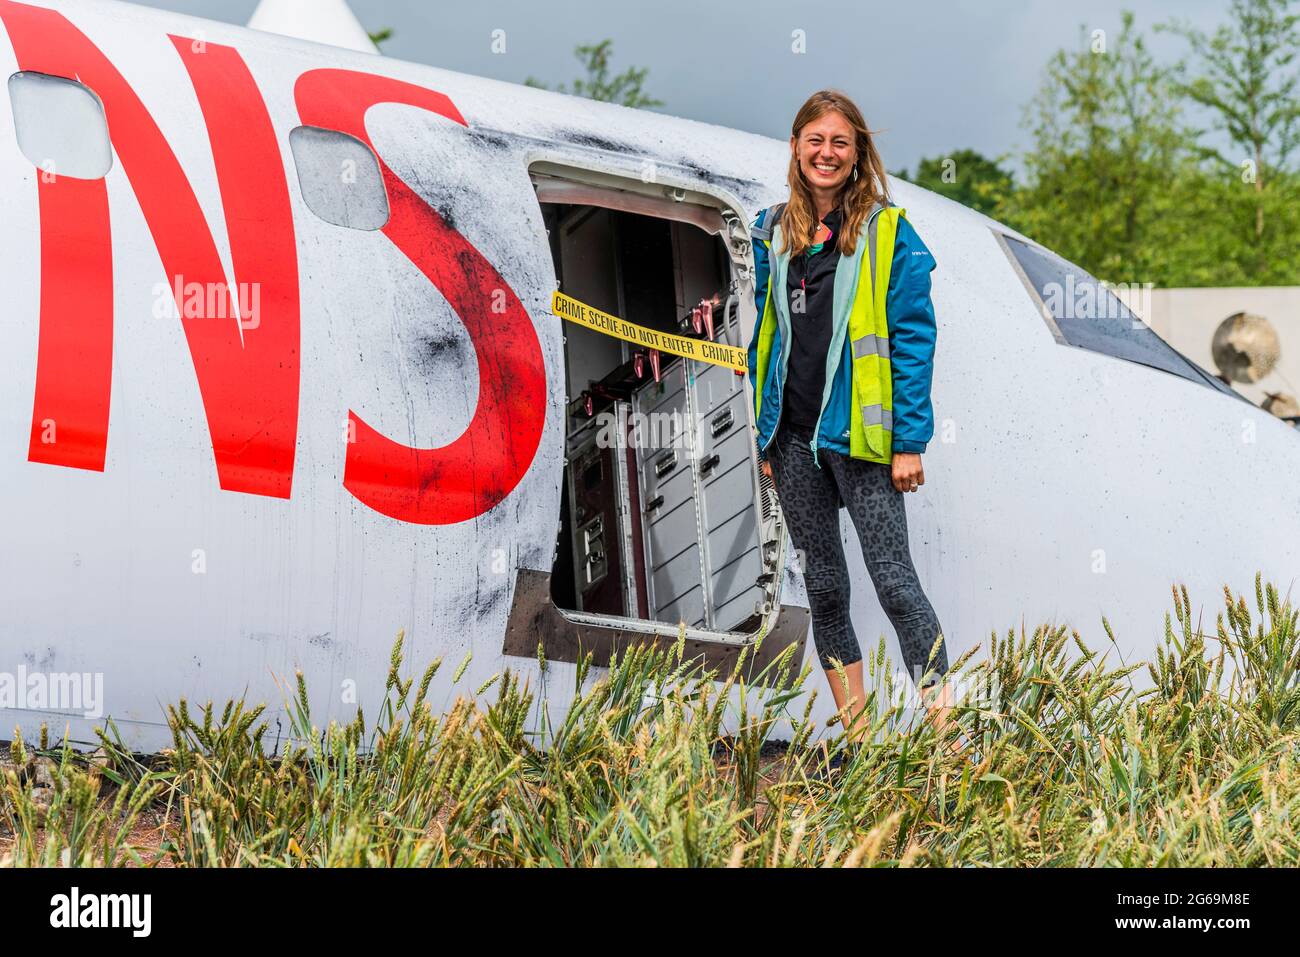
(878, 415)
(871, 345)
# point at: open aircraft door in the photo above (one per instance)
(667, 527)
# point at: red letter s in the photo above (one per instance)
(466, 478)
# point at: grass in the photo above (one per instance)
(1064, 761)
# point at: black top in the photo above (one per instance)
(810, 285)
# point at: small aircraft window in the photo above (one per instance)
(60, 126)
(1084, 313)
(339, 178)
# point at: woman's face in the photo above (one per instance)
(826, 150)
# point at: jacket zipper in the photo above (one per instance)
(785, 346)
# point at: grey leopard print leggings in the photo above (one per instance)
(811, 498)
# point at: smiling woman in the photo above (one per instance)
(841, 363)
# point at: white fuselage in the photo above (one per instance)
(1061, 485)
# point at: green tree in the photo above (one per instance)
(966, 176)
(1109, 146)
(1244, 75)
(626, 88)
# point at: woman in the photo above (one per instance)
(841, 371)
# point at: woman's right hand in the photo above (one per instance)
(765, 467)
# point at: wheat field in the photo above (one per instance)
(1192, 759)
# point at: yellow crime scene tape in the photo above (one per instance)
(566, 307)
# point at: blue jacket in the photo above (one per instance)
(912, 333)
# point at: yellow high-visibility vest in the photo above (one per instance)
(871, 421)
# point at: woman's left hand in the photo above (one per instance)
(908, 475)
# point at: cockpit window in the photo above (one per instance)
(1083, 312)
(60, 126)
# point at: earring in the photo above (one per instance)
(855, 173)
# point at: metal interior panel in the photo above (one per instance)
(688, 608)
(667, 481)
(736, 562)
(732, 445)
(737, 578)
(728, 495)
(676, 579)
(666, 394)
(729, 616)
(733, 536)
(673, 534)
(601, 546)
(715, 385)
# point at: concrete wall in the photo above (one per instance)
(1187, 318)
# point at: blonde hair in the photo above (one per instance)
(799, 219)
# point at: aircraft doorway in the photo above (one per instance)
(665, 518)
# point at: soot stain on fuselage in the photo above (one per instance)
(433, 352)
(487, 600)
(490, 138)
(595, 142)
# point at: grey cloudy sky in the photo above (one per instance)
(933, 77)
